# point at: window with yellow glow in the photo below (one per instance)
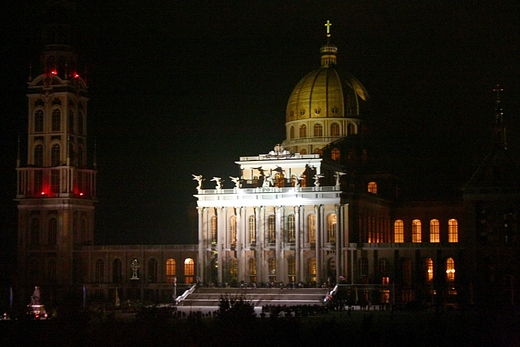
(398, 231)
(233, 268)
(303, 131)
(189, 270)
(331, 228)
(335, 154)
(450, 270)
(434, 231)
(291, 268)
(279, 180)
(429, 269)
(372, 187)
(453, 230)
(233, 230)
(271, 265)
(252, 229)
(291, 229)
(170, 270)
(252, 269)
(311, 227)
(312, 270)
(214, 229)
(318, 130)
(334, 129)
(416, 231)
(271, 229)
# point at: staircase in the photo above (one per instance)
(259, 296)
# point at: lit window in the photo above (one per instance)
(312, 270)
(189, 270)
(416, 231)
(233, 268)
(214, 229)
(303, 151)
(450, 270)
(291, 269)
(429, 269)
(252, 269)
(252, 229)
(318, 130)
(331, 228)
(279, 180)
(271, 229)
(311, 226)
(291, 229)
(170, 270)
(398, 231)
(335, 154)
(453, 230)
(372, 187)
(334, 129)
(303, 131)
(233, 230)
(56, 120)
(434, 231)
(38, 121)
(271, 264)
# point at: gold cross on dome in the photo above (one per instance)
(328, 24)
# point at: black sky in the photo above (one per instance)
(187, 87)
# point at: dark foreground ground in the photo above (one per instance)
(359, 328)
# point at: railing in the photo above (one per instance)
(185, 294)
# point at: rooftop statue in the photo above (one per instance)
(199, 180)
(236, 181)
(317, 180)
(218, 182)
(338, 174)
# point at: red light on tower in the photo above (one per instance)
(76, 75)
(54, 72)
(80, 194)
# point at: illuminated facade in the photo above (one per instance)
(322, 208)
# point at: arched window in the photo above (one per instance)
(214, 229)
(372, 187)
(318, 130)
(453, 230)
(55, 155)
(38, 121)
(303, 131)
(450, 270)
(398, 231)
(303, 151)
(416, 231)
(291, 132)
(117, 271)
(271, 229)
(252, 229)
(35, 232)
(52, 232)
(331, 228)
(291, 229)
(171, 270)
(311, 227)
(56, 120)
(334, 129)
(429, 269)
(189, 270)
(38, 155)
(335, 154)
(100, 271)
(351, 129)
(152, 270)
(233, 230)
(434, 231)
(312, 270)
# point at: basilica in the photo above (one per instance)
(319, 208)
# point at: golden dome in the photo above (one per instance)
(321, 94)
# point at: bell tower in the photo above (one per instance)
(56, 186)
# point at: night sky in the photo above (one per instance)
(182, 87)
